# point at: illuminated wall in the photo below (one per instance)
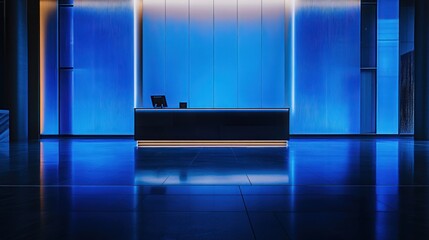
(89, 91)
(388, 67)
(103, 85)
(257, 54)
(327, 67)
(303, 54)
(217, 53)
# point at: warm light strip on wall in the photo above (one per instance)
(212, 143)
(42, 64)
(46, 8)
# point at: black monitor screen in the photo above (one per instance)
(159, 101)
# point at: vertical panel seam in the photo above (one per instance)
(237, 52)
(189, 52)
(165, 45)
(213, 49)
(58, 68)
(261, 86)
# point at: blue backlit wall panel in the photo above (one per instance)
(225, 53)
(177, 52)
(103, 84)
(154, 49)
(289, 53)
(224, 50)
(388, 66)
(273, 53)
(201, 54)
(269, 53)
(65, 42)
(327, 67)
(213, 54)
(249, 54)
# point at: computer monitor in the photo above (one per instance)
(159, 101)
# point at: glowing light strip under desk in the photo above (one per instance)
(212, 143)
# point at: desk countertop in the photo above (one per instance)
(213, 109)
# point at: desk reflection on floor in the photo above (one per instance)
(306, 161)
(110, 189)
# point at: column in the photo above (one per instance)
(421, 48)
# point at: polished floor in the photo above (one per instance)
(333, 188)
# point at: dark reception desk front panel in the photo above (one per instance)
(213, 127)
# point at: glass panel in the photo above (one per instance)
(103, 84)
(388, 67)
(327, 68)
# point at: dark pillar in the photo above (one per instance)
(33, 13)
(21, 85)
(2, 75)
(421, 53)
(17, 67)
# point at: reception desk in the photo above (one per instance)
(211, 127)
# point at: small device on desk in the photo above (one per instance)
(159, 101)
(183, 105)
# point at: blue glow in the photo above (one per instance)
(225, 53)
(103, 84)
(326, 90)
(387, 163)
(153, 50)
(273, 54)
(136, 8)
(249, 54)
(292, 89)
(215, 54)
(66, 101)
(102, 155)
(65, 38)
(388, 67)
(201, 54)
(177, 52)
(66, 69)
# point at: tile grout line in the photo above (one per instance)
(195, 158)
(247, 213)
(282, 227)
(165, 180)
(236, 159)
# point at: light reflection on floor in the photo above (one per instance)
(306, 161)
(336, 188)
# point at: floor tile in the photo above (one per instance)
(194, 225)
(189, 203)
(267, 226)
(313, 203)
